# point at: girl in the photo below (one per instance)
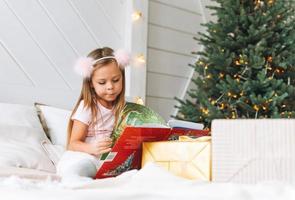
(92, 121)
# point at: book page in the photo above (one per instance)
(174, 123)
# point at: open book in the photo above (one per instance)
(126, 153)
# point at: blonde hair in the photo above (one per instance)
(88, 94)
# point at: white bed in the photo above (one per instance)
(28, 159)
(151, 182)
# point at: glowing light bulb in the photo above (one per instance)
(269, 59)
(256, 107)
(138, 100)
(136, 15)
(140, 58)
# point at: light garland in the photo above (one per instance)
(136, 15)
(140, 58)
(256, 107)
(138, 100)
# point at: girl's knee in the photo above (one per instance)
(76, 165)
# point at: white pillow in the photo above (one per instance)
(56, 123)
(54, 152)
(20, 138)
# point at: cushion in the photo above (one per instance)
(21, 135)
(55, 123)
(54, 152)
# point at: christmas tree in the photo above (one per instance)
(247, 67)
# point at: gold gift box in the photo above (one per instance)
(187, 158)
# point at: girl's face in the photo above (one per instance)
(107, 82)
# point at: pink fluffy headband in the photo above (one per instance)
(84, 65)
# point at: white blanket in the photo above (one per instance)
(151, 182)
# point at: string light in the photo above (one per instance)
(233, 115)
(180, 115)
(209, 76)
(136, 15)
(140, 58)
(221, 75)
(200, 62)
(205, 111)
(222, 106)
(270, 2)
(138, 100)
(258, 4)
(269, 59)
(268, 67)
(255, 107)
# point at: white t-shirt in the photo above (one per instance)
(102, 128)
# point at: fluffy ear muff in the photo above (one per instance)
(122, 57)
(84, 67)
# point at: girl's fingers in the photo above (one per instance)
(105, 150)
(103, 147)
(107, 139)
(103, 144)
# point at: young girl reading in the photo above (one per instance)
(92, 121)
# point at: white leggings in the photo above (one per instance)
(74, 163)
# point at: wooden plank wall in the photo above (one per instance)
(41, 39)
(172, 25)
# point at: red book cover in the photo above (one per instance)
(126, 153)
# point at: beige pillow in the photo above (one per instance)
(21, 135)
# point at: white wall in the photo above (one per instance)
(172, 25)
(41, 39)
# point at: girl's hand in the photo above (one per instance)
(102, 146)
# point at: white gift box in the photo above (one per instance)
(251, 151)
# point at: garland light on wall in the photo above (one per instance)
(136, 15)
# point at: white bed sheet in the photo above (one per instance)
(151, 182)
(27, 173)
